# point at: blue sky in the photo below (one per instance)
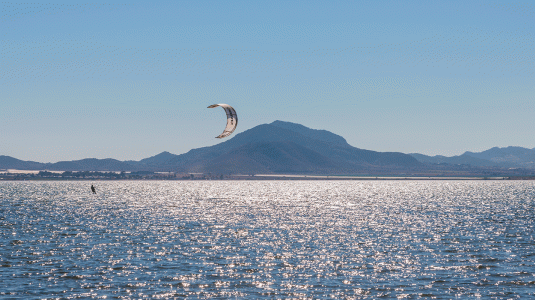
(128, 80)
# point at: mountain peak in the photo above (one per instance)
(161, 158)
(507, 157)
(317, 134)
(277, 147)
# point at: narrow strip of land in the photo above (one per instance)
(342, 177)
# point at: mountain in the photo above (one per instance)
(279, 147)
(88, 164)
(509, 157)
(289, 148)
(92, 164)
(285, 147)
(272, 157)
(8, 162)
(158, 159)
(463, 159)
(320, 135)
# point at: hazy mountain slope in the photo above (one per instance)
(92, 164)
(260, 133)
(454, 160)
(159, 159)
(279, 147)
(320, 135)
(8, 162)
(508, 156)
(324, 143)
(272, 157)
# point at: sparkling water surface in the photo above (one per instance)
(267, 239)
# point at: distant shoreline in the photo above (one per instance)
(31, 175)
(349, 177)
(279, 178)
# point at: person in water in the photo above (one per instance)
(93, 189)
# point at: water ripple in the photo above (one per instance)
(268, 239)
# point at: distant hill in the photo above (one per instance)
(285, 147)
(320, 135)
(508, 157)
(272, 157)
(279, 147)
(289, 148)
(88, 164)
(159, 159)
(91, 164)
(8, 162)
(463, 159)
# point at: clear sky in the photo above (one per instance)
(128, 80)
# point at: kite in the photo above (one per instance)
(232, 119)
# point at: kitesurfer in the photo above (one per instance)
(93, 189)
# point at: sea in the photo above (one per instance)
(293, 239)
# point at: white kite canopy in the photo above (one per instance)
(232, 119)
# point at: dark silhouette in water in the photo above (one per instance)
(93, 189)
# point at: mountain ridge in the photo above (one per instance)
(324, 143)
(285, 147)
(502, 157)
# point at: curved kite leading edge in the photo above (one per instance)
(232, 119)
